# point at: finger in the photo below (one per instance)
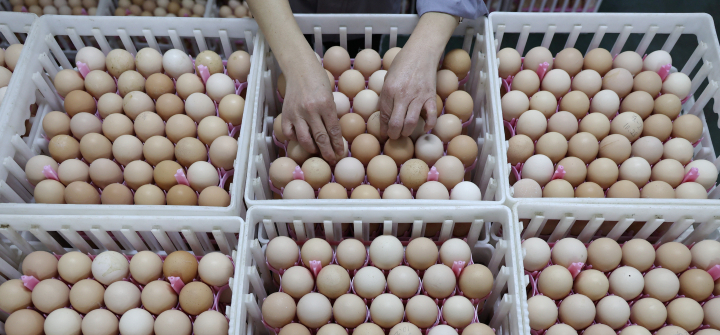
(303, 135)
(411, 118)
(431, 112)
(287, 128)
(385, 106)
(332, 125)
(322, 139)
(397, 119)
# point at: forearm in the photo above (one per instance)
(287, 42)
(432, 33)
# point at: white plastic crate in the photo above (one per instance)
(487, 173)
(34, 85)
(491, 242)
(14, 27)
(657, 224)
(22, 234)
(621, 26)
(562, 6)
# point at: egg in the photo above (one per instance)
(211, 323)
(575, 102)
(553, 145)
(79, 102)
(564, 123)
(238, 65)
(668, 104)
(537, 56)
(626, 282)
(148, 61)
(400, 150)
(458, 312)
(656, 59)
(172, 322)
(63, 321)
(546, 103)
(195, 298)
(542, 312)
(116, 125)
(25, 321)
(657, 189)
(538, 168)
(568, 251)
(509, 62)
(592, 284)
(104, 172)
(589, 190)
(130, 81)
(35, 165)
(557, 82)
(187, 84)
(689, 127)
(648, 147)
(685, 313)
(376, 81)
(537, 254)
(678, 149)
(526, 81)
(49, 295)
(158, 296)
(464, 148)
(648, 81)
(68, 80)
(122, 296)
(80, 192)
(639, 102)
(615, 147)
(658, 126)
(668, 170)
(555, 282)
(690, 190)
(433, 190)
(386, 310)
(649, 313)
(677, 330)
(613, 311)
(109, 267)
(588, 81)
(214, 196)
(101, 321)
(630, 61)
(703, 254)
(598, 59)
(49, 191)
(231, 109)
(628, 124)
(74, 266)
(577, 311)
(458, 61)
(351, 82)
(159, 84)
(15, 296)
(176, 63)
(439, 281)
(606, 102)
(92, 57)
(514, 103)
(429, 148)
(337, 60)
(711, 312)
(136, 321)
(623, 189)
(661, 284)
(678, 84)
(314, 310)
(595, 124)
(98, 82)
(447, 83)
(532, 124)
(219, 85)
(570, 60)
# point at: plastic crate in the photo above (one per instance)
(620, 27)
(22, 234)
(487, 173)
(561, 6)
(40, 63)
(14, 27)
(658, 225)
(490, 236)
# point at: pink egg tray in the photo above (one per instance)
(576, 268)
(175, 282)
(315, 268)
(516, 170)
(180, 176)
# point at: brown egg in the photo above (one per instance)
(669, 171)
(238, 65)
(79, 102)
(64, 147)
(657, 189)
(16, 295)
(639, 102)
(24, 322)
(149, 195)
(297, 153)
(463, 147)
(332, 191)
(56, 123)
(86, 295)
(138, 173)
(278, 309)
(49, 191)
(182, 195)
(116, 194)
(592, 284)
(558, 188)
(187, 84)
(40, 264)
(209, 59)
(658, 125)
(570, 60)
(475, 281)
(649, 313)
(553, 145)
(180, 126)
(104, 172)
(149, 124)
(50, 294)
(214, 196)
(685, 313)
(598, 59)
(365, 147)
(68, 80)
(352, 125)
(575, 102)
(116, 125)
(130, 81)
(575, 170)
(231, 108)
(84, 123)
(413, 173)
(399, 150)
(94, 146)
(158, 84)
(673, 256)
(583, 145)
(460, 104)
(696, 284)
(623, 189)
(668, 104)
(158, 296)
(195, 297)
(589, 190)
(168, 105)
(157, 149)
(648, 81)
(137, 102)
(210, 128)
(564, 123)
(615, 147)
(365, 192)
(526, 81)
(555, 282)
(190, 150)
(596, 124)
(619, 80)
(164, 174)
(603, 171)
(628, 124)
(98, 83)
(689, 127)
(520, 148)
(35, 165)
(180, 264)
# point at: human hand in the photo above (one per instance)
(409, 88)
(309, 112)
(410, 82)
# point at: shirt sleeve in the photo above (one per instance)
(469, 9)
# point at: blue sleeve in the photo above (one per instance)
(469, 9)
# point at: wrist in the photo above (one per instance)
(432, 34)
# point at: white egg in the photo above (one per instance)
(163, 3)
(177, 63)
(466, 190)
(219, 85)
(51, 10)
(655, 60)
(92, 57)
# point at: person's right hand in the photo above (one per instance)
(309, 112)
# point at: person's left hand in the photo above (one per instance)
(409, 88)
